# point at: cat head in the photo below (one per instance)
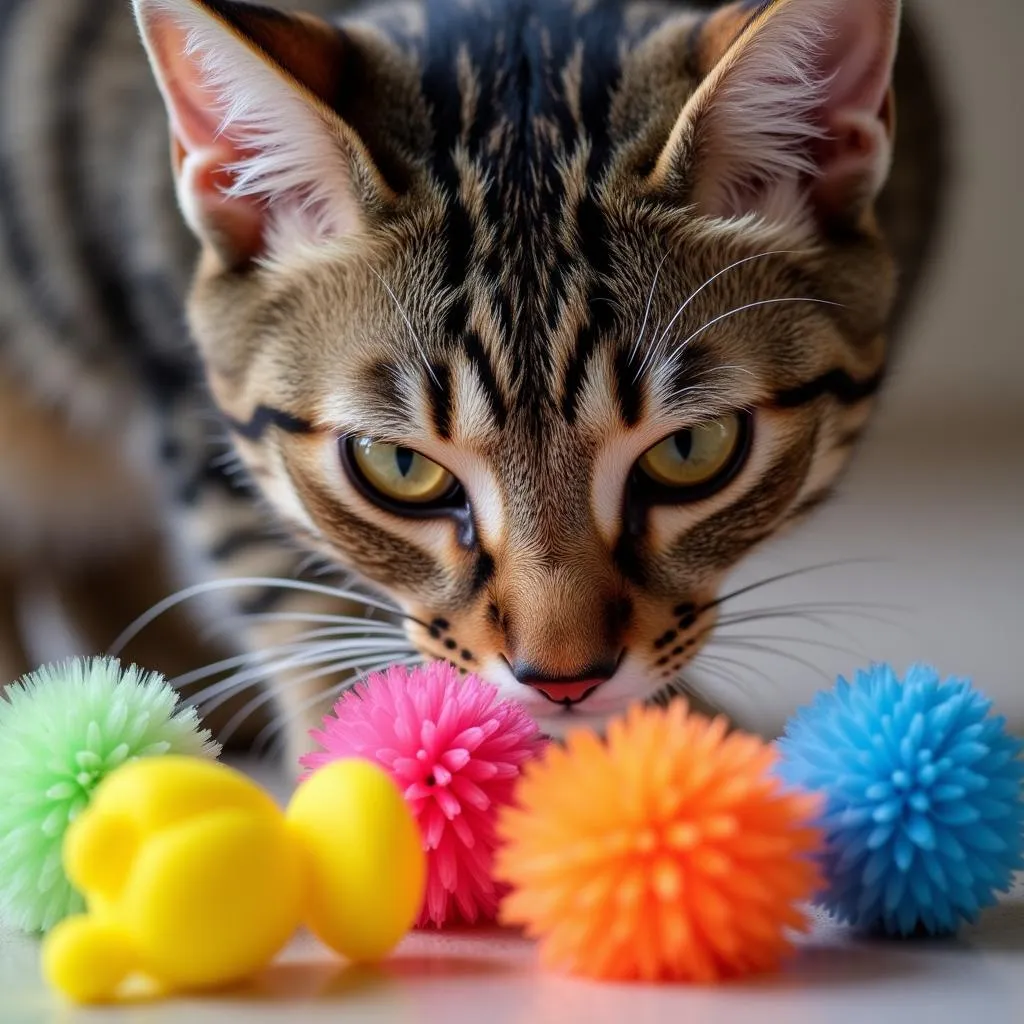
(539, 317)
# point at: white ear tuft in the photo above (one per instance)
(758, 112)
(800, 98)
(253, 145)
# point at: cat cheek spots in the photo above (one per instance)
(665, 639)
(460, 656)
(687, 615)
(672, 645)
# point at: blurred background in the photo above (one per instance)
(934, 504)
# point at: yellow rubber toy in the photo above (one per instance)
(365, 856)
(194, 878)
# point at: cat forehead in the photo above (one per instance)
(539, 113)
(480, 365)
(453, 332)
(511, 86)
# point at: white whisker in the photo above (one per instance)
(819, 614)
(843, 563)
(281, 722)
(298, 642)
(725, 270)
(782, 639)
(357, 624)
(772, 652)
(212, 586)
(315, 563)
(716, 671)
(412, 330)
(239, 718)
(720, 659)
(214, 696)
(647, 313)
(742, 309)
(381, 630)
(656, 347)
(256, 618)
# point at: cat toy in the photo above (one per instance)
(455, 750)
(195, 879)
(922, 786)
(63, 729)
(668, 851)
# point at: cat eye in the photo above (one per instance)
(696, 461)
(401, 476)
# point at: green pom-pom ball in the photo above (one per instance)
(62, 730)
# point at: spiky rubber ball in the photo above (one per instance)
(923, 809)
(63, 729)
(455, 751)
(668, 851)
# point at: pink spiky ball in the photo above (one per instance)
(455, 750)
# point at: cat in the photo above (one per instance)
(530, 319)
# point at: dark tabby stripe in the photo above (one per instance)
(837, 383)
(485, 373)
(19, 243)
(627, 389)
(439, 384)
(237, 541)
(264, 417)
(100, 275)
(575, 372)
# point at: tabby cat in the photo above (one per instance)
(533, 317)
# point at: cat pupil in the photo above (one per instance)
(404, 459)
(684, 443)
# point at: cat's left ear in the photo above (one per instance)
(795, 110)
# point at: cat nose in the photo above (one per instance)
(563, 689)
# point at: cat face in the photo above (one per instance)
(540, 327)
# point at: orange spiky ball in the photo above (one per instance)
(667, 852)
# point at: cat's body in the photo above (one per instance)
(513, 201)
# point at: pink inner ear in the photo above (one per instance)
(859, 57)
(853, 159)
(193, 106)
(189, 99)
(202, 155)
(236, 225)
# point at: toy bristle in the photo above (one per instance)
(923, 810)
(455, 750)
(668, 852)
(63, 729)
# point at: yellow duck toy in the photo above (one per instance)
(194, 878)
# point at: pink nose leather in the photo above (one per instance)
(572, 692)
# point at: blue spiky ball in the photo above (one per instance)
(923, 809)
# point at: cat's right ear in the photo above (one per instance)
(257, 148)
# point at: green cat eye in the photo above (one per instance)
(696, 457)
(400, 474)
